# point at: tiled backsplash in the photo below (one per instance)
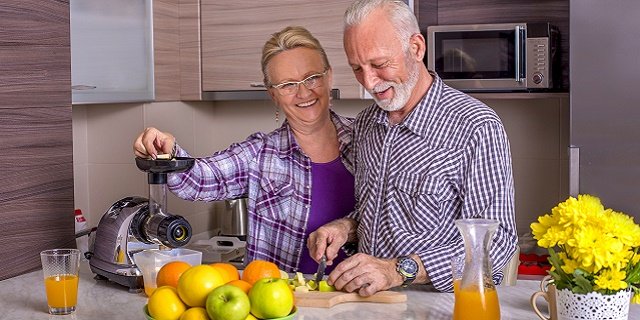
(104, 170)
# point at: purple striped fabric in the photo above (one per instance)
(274, 174)
(448, 159)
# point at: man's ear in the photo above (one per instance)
(418, 46)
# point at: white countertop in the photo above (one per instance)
(23, 297)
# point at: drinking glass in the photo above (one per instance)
(60, 268)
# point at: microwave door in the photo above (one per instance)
(481, 60)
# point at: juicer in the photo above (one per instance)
(134, 224)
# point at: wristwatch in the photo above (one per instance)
(408, 269)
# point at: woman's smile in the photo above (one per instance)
(307, 103)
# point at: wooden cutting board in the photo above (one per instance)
(317, 299)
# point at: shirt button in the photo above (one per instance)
(306, 206)
(308, 186)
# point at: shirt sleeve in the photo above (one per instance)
(487, 192)
(223, 175)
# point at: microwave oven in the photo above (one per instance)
(495, 57)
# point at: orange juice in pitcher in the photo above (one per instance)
(475, 294)
(472, 303)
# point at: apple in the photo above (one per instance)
(228, 302)
(271, 298)
(325, 287)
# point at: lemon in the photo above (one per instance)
(196, 313)
(197, 282)
(165, 304)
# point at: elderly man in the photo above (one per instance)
(425, 155)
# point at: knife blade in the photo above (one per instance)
(322, 264)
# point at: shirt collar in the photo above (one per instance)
(416, 121)
(288, 143)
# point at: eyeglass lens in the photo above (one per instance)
(310, 82)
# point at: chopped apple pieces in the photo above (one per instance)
(299, 284)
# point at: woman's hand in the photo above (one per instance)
(151, 142)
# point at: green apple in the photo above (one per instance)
(325, 287)
(228, 302)
(271, 298)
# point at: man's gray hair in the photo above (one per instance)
(399, 13)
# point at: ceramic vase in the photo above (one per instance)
(592, 306)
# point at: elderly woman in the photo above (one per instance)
(297, 177)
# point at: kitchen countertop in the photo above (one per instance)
(23, 297)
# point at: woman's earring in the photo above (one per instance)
(277, 115)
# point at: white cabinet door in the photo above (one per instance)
(111, 51)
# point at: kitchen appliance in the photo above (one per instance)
(230, 242)
(234, 218)
(496, 57)
(134, 224)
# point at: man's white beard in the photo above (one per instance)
(402, 91)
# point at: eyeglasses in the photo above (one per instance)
(291, 87)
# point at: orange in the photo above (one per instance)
(229, 271)
(245, 286)
(169, 274)
(258, 269)
(197, 282)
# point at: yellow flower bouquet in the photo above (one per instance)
(597, 248)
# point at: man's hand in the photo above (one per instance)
(151, 142)
(329, 238)
(365, 275)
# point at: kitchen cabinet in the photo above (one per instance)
(112, 51)
(605, 105)
(36, 165)
(233, 33)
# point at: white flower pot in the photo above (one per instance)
(592, 306)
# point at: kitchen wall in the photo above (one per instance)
(104, 170)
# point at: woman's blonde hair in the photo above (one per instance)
(289, 38)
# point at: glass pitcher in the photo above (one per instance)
(475, 294)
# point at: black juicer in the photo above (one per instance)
(133, 224)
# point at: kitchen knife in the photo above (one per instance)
(322, 264)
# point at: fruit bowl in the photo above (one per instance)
(146, 313)
(291, 315)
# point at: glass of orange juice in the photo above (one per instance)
(60, 268)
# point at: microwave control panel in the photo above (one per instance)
(538, 64)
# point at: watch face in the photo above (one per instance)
(409, 265)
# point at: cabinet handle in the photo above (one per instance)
(257, 85)
(82, 87)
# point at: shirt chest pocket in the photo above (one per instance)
(274, 200)
(421, 199)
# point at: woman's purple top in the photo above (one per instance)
(332, 197)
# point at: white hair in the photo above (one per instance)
(399, 13)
